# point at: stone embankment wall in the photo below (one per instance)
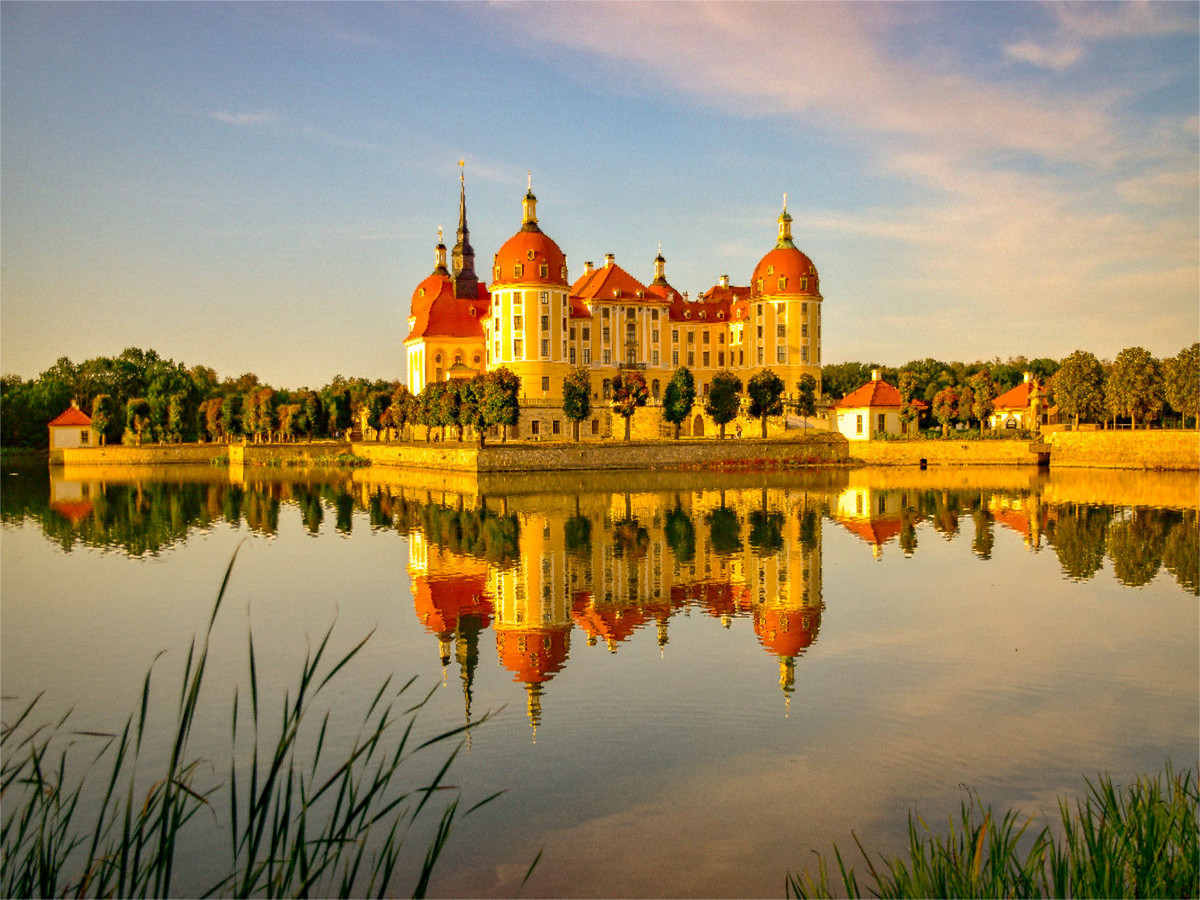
(524, 456)
(1126, 449)
(146, 455)
(944, 453)
(274, 454)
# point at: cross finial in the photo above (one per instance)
(461, 163)
(660, 248)
(529, 180)
(439, 234)
(785, 201)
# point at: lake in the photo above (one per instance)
(694, 680)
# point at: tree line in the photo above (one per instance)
(1135, 387)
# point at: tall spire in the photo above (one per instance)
(529, 207)
(785, 228)
(466, 283)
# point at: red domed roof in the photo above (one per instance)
(788, 263)
(540, 259)
(787, 632)
(533, 655)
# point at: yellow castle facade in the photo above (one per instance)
(539, 324)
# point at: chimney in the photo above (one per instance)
(876, 375)
(589, 267)
(609, 259)
(725, 281)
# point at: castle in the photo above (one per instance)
(540, 325)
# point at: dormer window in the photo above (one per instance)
(563, 272)
(759, 285)
(518, 270)
(720, 315)
(687, 313)
(473, 313)
(782, 282)
(529, 254)
(804, 284)
(497, 276)
(770, 270)
(422, 292)
(544, 271)
(702, 314)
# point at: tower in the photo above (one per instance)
(466, 283)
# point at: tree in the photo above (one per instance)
(909, 411)
(401, 408)
(231, 416)
(1134, 386)
(1079, 387)
(471, 407)
(210, 410)
(577, 397)
(1181, 383)
(983, 393)
(449, 403)
(679, 397)
(311, 414)
(806, 397)
(137, 417)
(929, 376)
(945, 407)
(101, 416)
(766, 391)
(629, 392)
(262, 401)
(842, 378)
(724, 399)
(336, 401)
(427, 403)
(501, 404)
(289, 416)
(375, 405)
(966, 405)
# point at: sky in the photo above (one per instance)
(257, 187)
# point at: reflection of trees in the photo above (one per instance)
(680, 533)
(766, 531)
(1135, 546)
(1181, 549)
(985, 539)
(475, 532)
(810, 524)
(1077, 536)
(577, 535)
(725, 531)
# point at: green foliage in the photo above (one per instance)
(680, 534)
(401, 408)
(293, 828)
(945, 407)
(629, 393)
(840, 379)
(501, 399)
(577, 397)
(1077, 536)
(1135, 546)
(1079, 387)
(102, 417)
(983, 393)
(376, 404)
(1135, 387)
(1134, 841)
(231, 415)
(724, 399)
(765, 390)
(312, 414)
(471, 404)
(1181, 383)
(679, 397)
(724, 531)
(806, 396)
(137, 416)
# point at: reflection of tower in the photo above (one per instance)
(533, 612)
(449, 597)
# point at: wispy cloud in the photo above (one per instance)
(243, 118)
(1044, 56)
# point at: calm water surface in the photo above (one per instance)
(695, 679)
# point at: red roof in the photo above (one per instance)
(530, 250)
(874, 531)
(73, 416)
(872, 394)
(789, 263)
(610, 282)
(787, 632)
(436, 312)
(1017, 398)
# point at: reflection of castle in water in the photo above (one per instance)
(616, 564)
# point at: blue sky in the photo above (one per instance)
(257, 187)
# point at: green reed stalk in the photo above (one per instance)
(298, 826)
(1136, 841)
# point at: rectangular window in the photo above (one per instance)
(804, 284)
(654, 315)
(705, 337)
(654, 336)
(572, 358)
(631, 332)
(675, 359)
(517, 323)
(84, 436)
(704, 390)
(605, 335)
(545, 348)
(607, 358)
(706, 357)
(803, 354)
(759, 310)
(518, 270)
(674, 335)
(535, 427)
(691, 336)
(741, 357)
(720, 337)
(721, 358)
(517, 298)
(587, 356)
(781, 330)
(595, 426)
(760, 355)
(781, 354)
(545, 382)
(691, 360)
(654, 358)
(604, 312)
(858, 430)
(606, 389)
(545, 323)
(804, 330)
(564, 324)
(804, 308)
(587, 333)
(518, 350)
(779, 308)
(760, 332)
(554, 427)
(882, 427)
(572, 332)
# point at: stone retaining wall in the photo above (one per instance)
(146, 455)
(944, 453)
(1148, 449)
(274, 454)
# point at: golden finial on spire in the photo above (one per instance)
(440, 241)
(529, 180)
(785, 201)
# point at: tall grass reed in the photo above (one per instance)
(298, 824)
(1139, 840)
